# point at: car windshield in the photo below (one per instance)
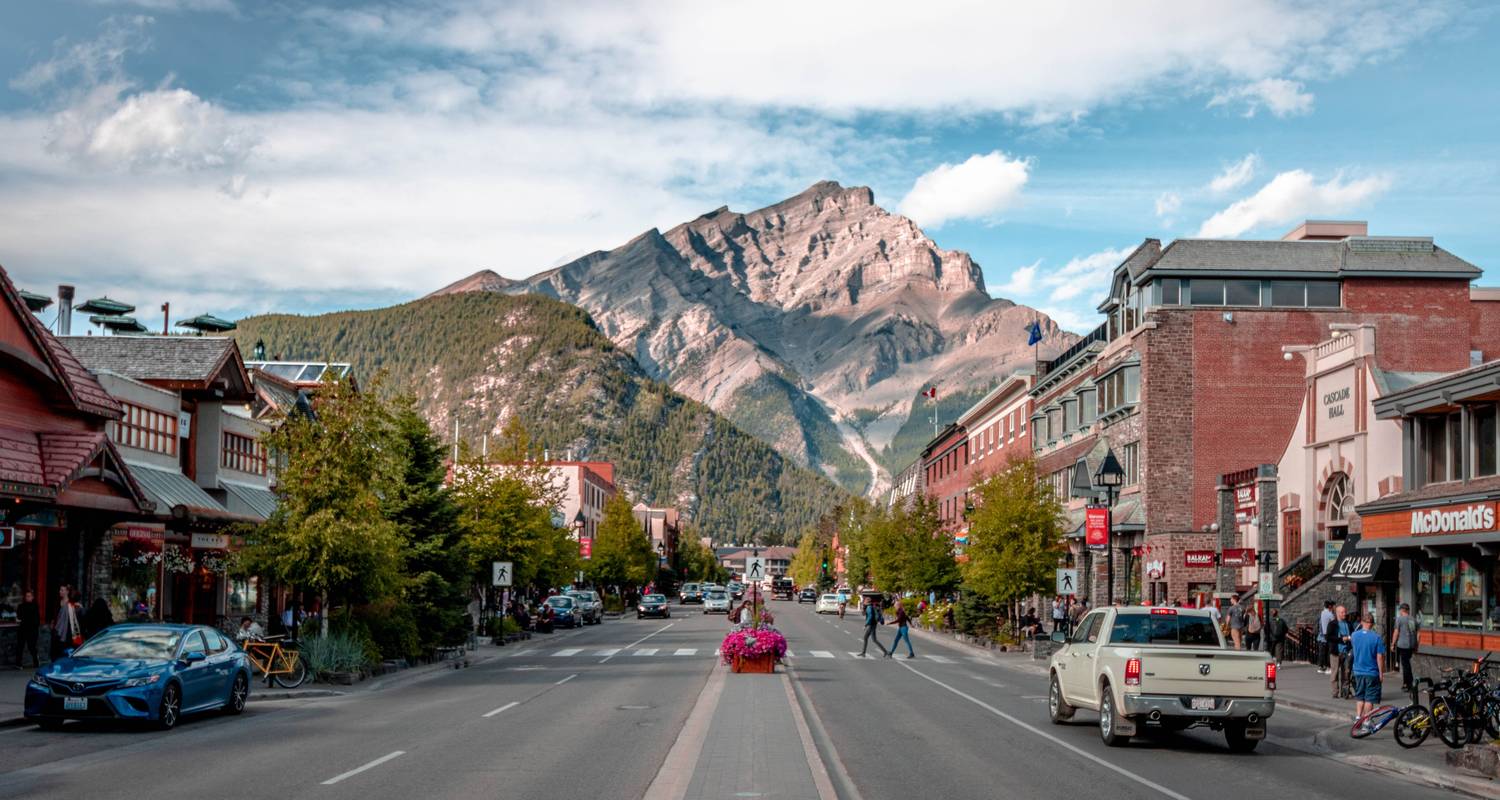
(560, 602)
(143, 643)
(1195, 631)
(653, 598)
(690, 587)
(716, 595)
(587, 597)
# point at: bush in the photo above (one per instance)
(508, 625)
(392, 628)
(976, 616)
(336, 652)
(614, 604)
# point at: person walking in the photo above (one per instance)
(1325, 647)
(1367, 663)
(903, 632)
(66, 632)
(1252, 629)
(29, 622)
(1076, 613)
(97, 618)
(1404, 642)
(1338, 634)
(1059, 614)
(873, 617)
(1276, 633)
(1236, 615)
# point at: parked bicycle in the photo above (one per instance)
(278, 659)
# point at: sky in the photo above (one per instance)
(242, 156)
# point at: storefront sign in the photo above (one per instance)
(1331, 552)
(1461, 519)
(1244, 498)
(7, 538)
(149, 533)
(1198, 558)
(1239, 557)
(1356, 564)
(1096, 527)
(1155, 570)
(210, 541)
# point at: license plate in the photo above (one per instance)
(1203, 704)
(75, 704)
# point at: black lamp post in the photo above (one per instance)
(1110, 477)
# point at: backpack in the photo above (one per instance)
(1253, 626)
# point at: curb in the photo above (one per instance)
(293, 695)
(1442, 779)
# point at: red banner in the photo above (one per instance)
(1239, 557)
(1096, 526)
(1198, 558)
(586, 548)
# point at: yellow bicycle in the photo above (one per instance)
(278, 662)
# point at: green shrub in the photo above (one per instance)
(976, 616)
(509, 625)
(392, 628)
(614, 604)
(336, 652)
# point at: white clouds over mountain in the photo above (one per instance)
(978, 188)
(1293, 196)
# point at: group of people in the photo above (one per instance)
(873, 612)
(1353, 654)
(69, 627)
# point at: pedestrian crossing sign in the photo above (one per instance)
(755, 569)
(1067, 581)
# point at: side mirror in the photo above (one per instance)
(1059, 637)
(194, 657)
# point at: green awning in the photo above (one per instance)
(118, 324)
(207, 323)
(104, 305)
(34, 301)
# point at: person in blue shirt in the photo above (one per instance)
(1367, 654)
(873, 617)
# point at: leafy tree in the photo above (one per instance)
(807, 565)
(330, 532)
(622, 554)
(505, 512)
(930, 564)
(697, 561)
(1015, 535)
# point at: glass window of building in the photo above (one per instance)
(1206, 292)
(1426, 595)
(1289, 293)
(1433, 432)
(1088, 405)
(1242, 293)
(1070, 415)
(1168, 291)
(1460, 594)
(1323, 294)
(1484, 419)
(1492, 597)
(1130, 460)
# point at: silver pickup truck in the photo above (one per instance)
(1164, 669)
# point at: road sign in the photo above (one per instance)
(501, 573)
(1096, 527)
(7, 540)
(755, 569)
(1067, 581)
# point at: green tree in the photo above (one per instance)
(697, 561)
(930, 564)
(1015, 535)
(505, 511)
(807, 565)
(622, 554)
(330, 533)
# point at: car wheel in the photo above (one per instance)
(170, 710)
(1234, 735)
(640, 616)
(1059, 709)
(239, 692)
(1108, 731)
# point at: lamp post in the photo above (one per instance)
(578, 526)
(1110, 477)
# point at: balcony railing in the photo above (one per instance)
(1099, 334)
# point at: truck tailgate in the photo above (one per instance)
(1202, 672)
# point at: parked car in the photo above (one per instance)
(653, 605)
(827, 604)
(565, 611)
(737, 590)
(808, 595)
(150, 673)
(690, 593)
(590, 608)
(1165, 668)
(782, 588)
(716, 601)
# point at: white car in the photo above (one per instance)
(828, 604)
(716, 601)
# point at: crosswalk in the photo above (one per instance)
(703, 652)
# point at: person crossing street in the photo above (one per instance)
(873, 617)
(903, 632)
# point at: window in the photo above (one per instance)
(1484, 419)
(1070, 415)
(1039, 427)
(1191, 631)
(1340, 502)
(1437, 455)
(1168, 291)
(1088, 629)
(1322, 294)
(1119, 388)
(1242, 293)
(215, 642)
(146, 429)
(1460, 594)
(244, 454)
(1054, 423)
(1206, 292)
(1088, 408)
(1289, 293)
(1130, 460)
(194, 643)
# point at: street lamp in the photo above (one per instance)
(1110, 477)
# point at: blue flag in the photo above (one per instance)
(1034, 332)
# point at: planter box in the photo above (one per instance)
(343, 678)
(765, 664)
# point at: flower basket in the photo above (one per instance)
(763, 664)
(753, 649)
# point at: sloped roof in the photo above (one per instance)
(171, 489)
(47, 462)
(155, 358)
(81, 387)
(260, 500)
(1360, 255)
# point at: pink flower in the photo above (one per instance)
(753, 642)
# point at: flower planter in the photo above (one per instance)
(344, 678)
(765, 664)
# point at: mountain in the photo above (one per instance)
(813, 323)
(481, 357)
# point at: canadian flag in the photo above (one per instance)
(930, 393)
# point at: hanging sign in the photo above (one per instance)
(1096, 527)
(586, 548)
(1198, 558)
(1156, 569)
(1239, 556)
(210, 541)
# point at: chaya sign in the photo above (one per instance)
(1096, 527)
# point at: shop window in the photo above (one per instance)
(1460, 594)
(1492, 597)
(145, 429)
(244, 596)
(1206, 292)
(1425, 593)
(1484, 419)
(1242, 293)
(1130, 460)
(1168, 291)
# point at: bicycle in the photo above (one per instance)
(283, 664)
(1416, 722)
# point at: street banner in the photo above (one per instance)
(1096, 527)
(1239, 557)
(1198, 558)
(586, 548)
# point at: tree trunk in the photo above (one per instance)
(323, 612)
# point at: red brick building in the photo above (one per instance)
(945, 464)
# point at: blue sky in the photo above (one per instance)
(236, 157)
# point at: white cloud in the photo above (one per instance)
(1085, 277)
(1022, 281)
(1280, 96)
(221, 6)
(1167, 204)
(1235, 175)
(1073, 319)
(979, 188)
(168, 128)
(1291, 197)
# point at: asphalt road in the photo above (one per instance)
(563, 717)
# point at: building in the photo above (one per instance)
(662, 526)
(1442, 527)
(945, 467)
(586, 487)
(997, 426)
(909, 484)
(1193, 378)
(189, 438)
(64, 487)
(778, 559)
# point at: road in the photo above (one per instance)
(594, 713)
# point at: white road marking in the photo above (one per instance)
(982, 660)
(569, 651)
(645, 651)
(790, 654)
(505, 707)
(1049, 737)
(608, 651)
(565, 680)
(377, 762)
(638, 641)
(686, 651)
(940, 659)
(820, 654)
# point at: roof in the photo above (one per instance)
(1020, 378)
(181, 359)
(259, 500)
(1357, 255)
(45, 463)
(301, 372)
(1389, 381)
(81, 387)
(1475, 383)
(171, 490)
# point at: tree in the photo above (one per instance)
(697, 561)
(930, 565)
(505, 512)
(807, 565)
(1015, 535)
(622, 554)
(330, 533)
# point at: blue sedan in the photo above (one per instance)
(151, 673)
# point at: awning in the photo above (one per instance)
(177, 496)
(246, 499)
(1356, 563)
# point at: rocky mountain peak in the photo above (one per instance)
(485, 280)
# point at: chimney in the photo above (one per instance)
(64, 310)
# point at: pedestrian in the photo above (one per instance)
(903, 632)
(1338, 637)
(1237, 623)
(66, 632)
(1367, 654)
(873, 617)
(1059, 614)
(1404, 642)
(1079, 609)
(1276, 632)
(1252, 629)
(29, 622)
(1325, 647)
(97, 618)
